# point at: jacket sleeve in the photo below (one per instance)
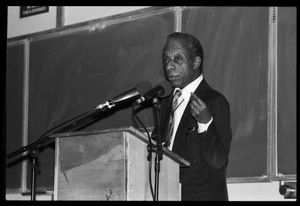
(215, 142)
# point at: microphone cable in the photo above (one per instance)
(149, 158)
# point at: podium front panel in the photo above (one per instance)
(110, 166)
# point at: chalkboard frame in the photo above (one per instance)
(272, 173)
(24, 103)
(273, 96)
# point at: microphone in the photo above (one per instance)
(139, 90)
(163, 89)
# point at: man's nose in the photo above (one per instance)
(170, 66)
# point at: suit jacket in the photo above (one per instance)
(207, 152)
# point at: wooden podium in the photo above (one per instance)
(111, 165)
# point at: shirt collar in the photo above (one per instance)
(191, 87)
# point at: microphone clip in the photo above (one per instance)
(156, 101)
(109, 104)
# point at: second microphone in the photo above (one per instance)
(163, 89)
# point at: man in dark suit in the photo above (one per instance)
(201, 131)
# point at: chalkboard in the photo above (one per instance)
(13, 108)
(286, 132)
(235, 43)
(73, 72)
(74, 69)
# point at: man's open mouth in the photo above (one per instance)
(172, 77)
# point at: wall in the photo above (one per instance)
(21, 26)
(75, 14)
(72, 15)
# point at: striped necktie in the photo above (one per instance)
(171, 122)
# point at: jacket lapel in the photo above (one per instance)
(187, 120)
(165, 116)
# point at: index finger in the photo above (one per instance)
(195, 97)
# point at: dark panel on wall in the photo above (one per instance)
(286, 87)
(15, 66)
(235, 43)
(70, 74)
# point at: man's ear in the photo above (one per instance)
(197, 62)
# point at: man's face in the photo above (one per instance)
(178, 66)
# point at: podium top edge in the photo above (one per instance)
(79, 133)
(181, 161)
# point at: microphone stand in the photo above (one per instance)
(35, 162)
(34, 149)
(159, 153)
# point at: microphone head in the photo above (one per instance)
(167, 88)
(143, 87)
(135, 92)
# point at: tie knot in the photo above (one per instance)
(175, 98)
(177, 94)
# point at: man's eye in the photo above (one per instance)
(178, 58)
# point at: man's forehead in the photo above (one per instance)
(173, 45)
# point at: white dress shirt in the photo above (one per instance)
(182, 103)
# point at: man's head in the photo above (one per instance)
(182, 59)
